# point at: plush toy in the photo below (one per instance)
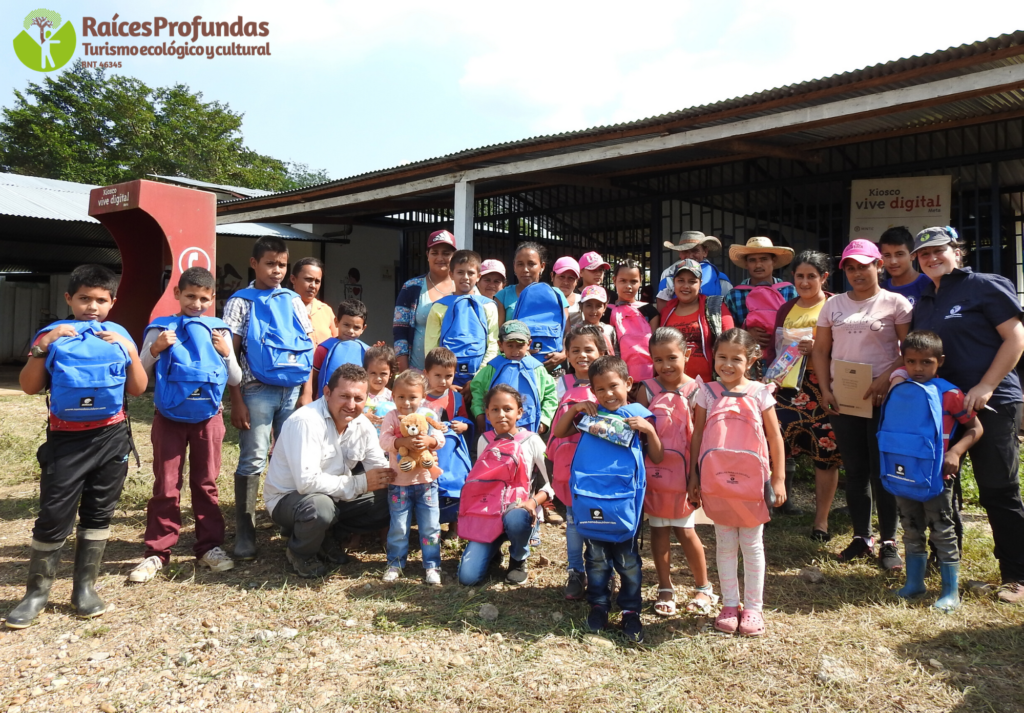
(416, 424)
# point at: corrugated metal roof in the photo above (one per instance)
(259, 230)
(193, 183)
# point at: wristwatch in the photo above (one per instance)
(38, 352)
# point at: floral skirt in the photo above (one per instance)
(805, 424)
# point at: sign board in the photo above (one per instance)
(881, 203)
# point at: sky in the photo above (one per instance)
(353, 86)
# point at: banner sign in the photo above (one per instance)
(882, 203)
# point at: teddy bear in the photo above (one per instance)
(416, 424)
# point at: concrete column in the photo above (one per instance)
(465, 200)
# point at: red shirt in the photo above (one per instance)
(953, 413)
(697, 332)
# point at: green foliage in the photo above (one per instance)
(42, 14)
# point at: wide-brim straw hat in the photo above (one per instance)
(760, 246)
(689, 239)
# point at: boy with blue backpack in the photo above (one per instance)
(88, 364)
(271, 331)
(346, 348)
(453, 459)
(919, 465)
(190, 358)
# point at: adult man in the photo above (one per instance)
(693, 245)
(311, 489)
(760, 259)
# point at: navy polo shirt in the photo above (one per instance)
(965, 314)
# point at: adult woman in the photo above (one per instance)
(565, 275)
(806, 427)
(864, 325)
(307, 276)
(417, 296)
(978, 317)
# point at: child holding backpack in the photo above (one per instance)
(631, 321)
(346, 348)
(735, 452)
(453, 459)
(496, 503)
(88, 364)
(919, 465)
(669, 396)
(191, 360)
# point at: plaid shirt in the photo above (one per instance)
(236, 315)
(736, 300)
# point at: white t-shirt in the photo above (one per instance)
(865, 331)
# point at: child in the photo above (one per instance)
(718, 457)
(346, 348)
(492, 278)
(193, 423)
(584, 345)
(416, 488)
(611, 383)
(271, 331)
(895, 244)
(379, 362)
(517, 367)
(631, 321)
(464, 323)
(593, 303)
(507, 445)
(453, 459)
(592, 267)
(922, 357)
(668, 396)
(84, 460)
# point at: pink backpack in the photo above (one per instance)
(561, 450)
(634, 333)
(498, 480)
(734, 465)
(763, 304)
(666, 481)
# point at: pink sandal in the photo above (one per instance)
(728, 620)
(751, 623)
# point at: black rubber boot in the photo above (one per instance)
(246, 491)
(88, 557)
(789, 507)
(42, 569)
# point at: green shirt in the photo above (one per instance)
(481, 384)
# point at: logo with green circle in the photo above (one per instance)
(47, 42)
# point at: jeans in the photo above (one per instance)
(859, 446)
(269, 407)
(729, 542)
(600, 557)
(934, 516)
(573, 542)
(449, 510)
(476, 558)
(402, 500)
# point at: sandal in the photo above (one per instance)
(667, 607)
(820, 535)
(751, 623)
(702, 606)
(728, 620)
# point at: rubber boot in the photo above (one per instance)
(88, 557)
(246, 491)
(789, 507)
(950, 598)
(916, 566)
(42, 569)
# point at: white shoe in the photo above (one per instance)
(434, 577)
(217, 560)
(146, 570)
(392, 574)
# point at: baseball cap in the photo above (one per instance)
(860, 250)
(492, 266)
(514, 329)
(689, 265)
(594, 292)
(934, 236)
(593, 261)
(440, 236)
(563, 264)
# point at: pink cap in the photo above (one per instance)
(860, 250)
(439, 237)
(564, 264)
(492, 266)
(594, 292)
(594, 261)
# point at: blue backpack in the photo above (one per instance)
(279, 352)
(190, 375)
(541, 310)
(910, 441)
(453, 459)
(338, 353)
(519, 375)
(87, 374)
(464, 332)
(608, 484)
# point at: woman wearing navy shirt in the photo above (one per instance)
(978, 316)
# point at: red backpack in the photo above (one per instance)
(498, 480)
(561, 450)
(666, 481)
(634, 333)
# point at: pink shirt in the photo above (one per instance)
(865, 331)
(390, 431)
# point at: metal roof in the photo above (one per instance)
(239, 191)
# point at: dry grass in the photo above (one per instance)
(188, 641)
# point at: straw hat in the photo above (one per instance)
(689, 239)
(760, 246)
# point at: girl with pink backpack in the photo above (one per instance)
(737, 470)
(631, 321)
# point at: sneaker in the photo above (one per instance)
(858, 548)
(306, 567)
(551, 515)
(632, 627)
(433, 577)
(331, 551)
(518, 571)
(597, 620)
(575, 586)
(217, 560)
(146, 570)
(889, 557)
(1011, 593)
(392, 574)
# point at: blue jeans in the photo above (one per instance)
(476, 558)
(573, 542)
(449, 509)
(625, 557)
(269, 407)
(402, 500)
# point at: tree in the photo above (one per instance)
(42, 19)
